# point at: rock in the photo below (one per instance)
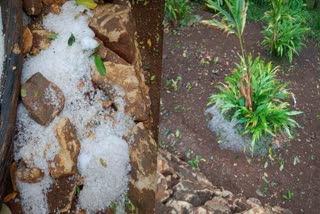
(65, 163)
(255, 210)
(54, 8)
(122, 2)
(108, 55)
(137, 104)
(27, 40)
(164, 168)
(254, 202)
(41, 40)
(115, 26)
(143, 159)
(62, 193)
(162, 193)
(32, 7)
(50, 2)
(29, 175)
(195, 197)
(180, 206)
(218, 205)
(42, 98)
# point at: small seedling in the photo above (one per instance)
(194, 163)
(281, 165)
(288, 196)
(216, 60)
(129, 205)
(189, 86)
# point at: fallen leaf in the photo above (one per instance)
(10, 196)
(13, 169)
(103, 163)
(149, 42)
(87, 3)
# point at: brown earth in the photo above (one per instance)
(149, 16)
(190, 53)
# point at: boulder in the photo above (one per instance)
(32, 7)
(65, 162)
(29, 175)
(115, 26)
(143, 159)
(137, 103)
(163, 193)
(42, 98)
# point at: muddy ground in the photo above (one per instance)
(203, 56)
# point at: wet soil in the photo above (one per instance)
(203, 56)
(149, 16)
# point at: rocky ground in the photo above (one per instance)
(54, 158)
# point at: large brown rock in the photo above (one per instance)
(62, 193)
(65, 162)
(143, 159)
(137, 101)
(115, 26)
(42, 98)
(29, 175)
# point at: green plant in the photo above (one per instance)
(285, 30)
(195, 162)
(288, 196)
(269, 115)
(233, 20)
(177, 11)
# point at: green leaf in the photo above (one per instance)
(53, 36)
(103, 163)
(71, 39)
(87, 3)
(23, 92)
(129, 205)
(99, 64)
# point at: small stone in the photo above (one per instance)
(50, 2)
(54, 8)
(27, 40)
(162, 193)
(29, 175)
(32, 7)
(218, 205)
(42, 98)
(41, 40)
(65, 162)
(254, 210)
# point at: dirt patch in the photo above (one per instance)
(203, 56)
(149, 18)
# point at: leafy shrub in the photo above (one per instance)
(269, 115)
(285, 31)
(177, 11)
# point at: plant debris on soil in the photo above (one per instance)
(202, 57)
